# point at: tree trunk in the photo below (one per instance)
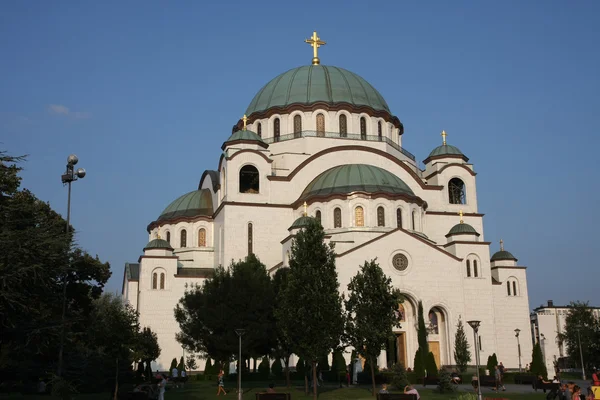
(254, 365)
(372, 374)
(305, 385)
(314, 374)
(287, 370)
(116, 380)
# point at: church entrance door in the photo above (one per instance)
(401, 347)
(434, 347)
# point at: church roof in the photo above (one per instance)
(246, 136)
(158, 244)
(317, 83)
(445, 150)
(346, 179)
(192, 204)
(132, 271)
(462, 229)
(503, 255)
(302, 222)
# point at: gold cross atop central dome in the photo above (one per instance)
(315, 42)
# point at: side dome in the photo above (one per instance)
(503, 255)
(446, 150)
(192, 204)
(346, 179)
(462, 229)
(158, 244)
(244, 136)
(314, 84)
(302, 222)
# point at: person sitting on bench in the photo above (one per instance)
(411, 390)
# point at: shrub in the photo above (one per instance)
(338, 363)
(419, 367)
(399, 378)
(181, 365)
(491, 363)
(277, 369)
(173, 364)
(538, 367)
(208, 368)
(430, 366)
(264, 369)
(445, 385)
(323, 363)
(301, 367)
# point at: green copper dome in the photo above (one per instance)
(158, 244)
(192, 204)
(445, 150)
(244, 135)
(503, 255)
(462, 229)
(345, 179)
(302, 222)
(317, 83)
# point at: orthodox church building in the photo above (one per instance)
(320, 142)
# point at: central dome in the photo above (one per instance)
(311, 84)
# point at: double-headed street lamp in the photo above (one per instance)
(475, 326)
(240, 333)
(517, 331)
(70, 175)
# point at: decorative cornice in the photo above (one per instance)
(508, 267)
(244, 141)
(439, 171)
(365, 195)
(453, 213)
(454, 242)
(267, 159)
(177, 220)
(167, 257)
(443, 156)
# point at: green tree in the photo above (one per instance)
(338, 365)
(581, 325)
(399, 377)
(181, 365)
(283, 346)
(492, 361)
(277, 369)
(190, 362)
(423, 350)
(371, 313)
(323, 363)
(173, 364)
(445, 384)
(462, 354)
(208, 368)
(311, 315)
(431, 366)
(146, 348)
(538, 366)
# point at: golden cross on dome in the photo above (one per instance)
(501, 245)
(315, 42)
(245, 119)
(157, 234)
(444, 134)
(305, 207)
(461, 216)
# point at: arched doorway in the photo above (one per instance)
(399, 348)
(436, 322)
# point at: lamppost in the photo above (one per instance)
(475, 326)
(240, 333)
(68, 177)
(580, 352)
(517, 331)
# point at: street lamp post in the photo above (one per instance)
(580, 353)
(475, 326)
(517, 331)
(240, 333)
(68, 177)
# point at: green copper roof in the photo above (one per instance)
(503, 255)
(462, 228)
(302, 222)
(356, 178)
(317, 83)
(445, 150)
(244, 135)
(192, 204)
(132, 271)
(158, 244)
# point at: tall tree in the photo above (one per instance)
(283, 347)
(311, 315)
(538, 366)
(423, 350)
(582, 326)
(371, 313)
(462, 354)
(146, 348)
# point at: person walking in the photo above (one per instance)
(221, 384)
(162, 386)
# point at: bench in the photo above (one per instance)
(525, 379)
(273, 396)
(486, 381)
(545, 386)
(431, 380)
(396, 396)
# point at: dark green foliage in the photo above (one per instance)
(264, 369)
(181, 365)
(238, 297)
(283, 347)
(430, 365)
(353, 356)
(148, 372)
(581, 325)
(537, 366)
(173, 365)
(338, 363)
(399, 378)
(301, 366)
(146, 347)
(139, 372)
(310, 313)
(190, 362)
(323, 363)
(422, 353)
(445, 385)
(277, 369)
(492, 361)
(208, 368)
(462, 354)
(371, 312)
(419, 365)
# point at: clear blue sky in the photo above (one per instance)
(145, 92)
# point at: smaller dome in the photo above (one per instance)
(503, 255)
(192, 204)
(462, 229)
(301, 222)
(445, 150)
(158, 244)
(244, 134)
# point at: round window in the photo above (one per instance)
(400, 262)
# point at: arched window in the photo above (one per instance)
(359, 216)
(343, 125)
(508, 287)
(162, 281)
(337, 218)
(318, 216)
(202, 237)
(250, 238)
(456, 191)
(363, 128)
(475, 271)
(183, 238)
(276, 129)
(154, 280)
(168, 237)
(320, 125)
(401, 313)
(249, 179)
(379, 131)
(414, 220)
(259, 129)
(433, 322)
(297, 125)
(514, 288)
(468, 268)
(398, 218)
(380, 216)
